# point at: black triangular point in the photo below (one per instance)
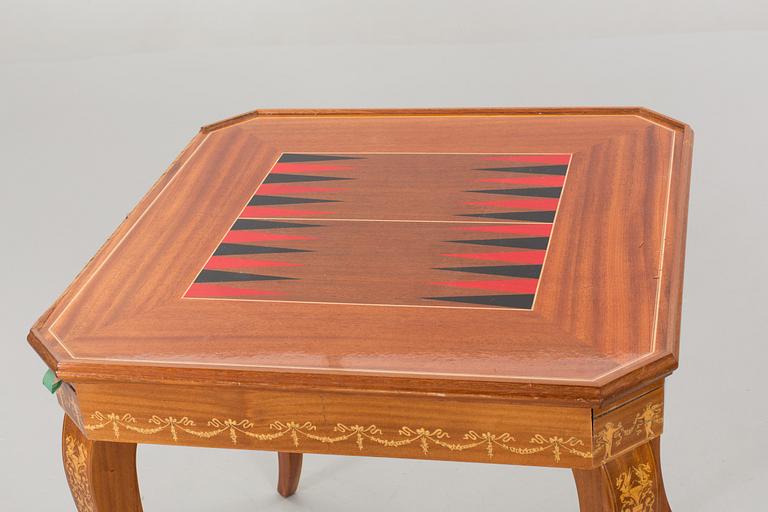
(526, 216)
(291, 158)
(221, 276)
(527, 192)
(530, 271)
(243, 224)
(523, 243)
(504, 301)
(258, 200)
(296, 178)
(557, 170)
(232, 249)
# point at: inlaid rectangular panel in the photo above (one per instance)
(628, 425)
(392, 229)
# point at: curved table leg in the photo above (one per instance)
(289, 473)
(101, 475)
(631, 482)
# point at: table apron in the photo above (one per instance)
(366, 424)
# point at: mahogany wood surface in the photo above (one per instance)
(289, 473)
(101, 475)
(628, 483)
(488, 285)
(350, 423)
(354, 310)
(663, 501)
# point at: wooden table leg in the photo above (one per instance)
(630, 482)
(101, 475)
(289, 473)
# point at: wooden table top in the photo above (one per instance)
(516, 252)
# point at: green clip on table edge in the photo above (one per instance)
(51, 382)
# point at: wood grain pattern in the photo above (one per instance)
(468, 231)
(631, 482)
(378, 424)
(289, 473)
(605, 323)
(67, 398)
(369, 424)
(348, 355)
(101, 475)
(663, 502)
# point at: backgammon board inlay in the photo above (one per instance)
(358, 229)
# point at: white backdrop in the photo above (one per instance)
(97, 98)
(81, 29)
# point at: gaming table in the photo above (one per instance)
(490, 285)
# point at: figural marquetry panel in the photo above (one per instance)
(76, 455)
(631, 424)
(468, 230)
(634, 482)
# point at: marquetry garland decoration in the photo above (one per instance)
(75, 465)
(635, 487)
(613, 434)
(359, 434)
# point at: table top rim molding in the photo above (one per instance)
(635, 374)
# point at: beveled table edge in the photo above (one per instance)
(652, 367)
